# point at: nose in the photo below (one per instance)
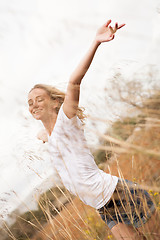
(35, 103)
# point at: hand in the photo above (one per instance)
(106, 33)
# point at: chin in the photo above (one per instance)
(37, 117)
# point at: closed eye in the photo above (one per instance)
(30, 103)
(39, 99)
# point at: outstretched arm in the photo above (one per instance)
(104, 34)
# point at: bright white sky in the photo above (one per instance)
(42, 41)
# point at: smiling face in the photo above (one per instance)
(41, 106)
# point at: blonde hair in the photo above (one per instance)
(56, 94)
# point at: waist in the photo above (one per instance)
(114, 196)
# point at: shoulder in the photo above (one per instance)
(69, 121)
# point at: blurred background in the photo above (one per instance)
(42, 41)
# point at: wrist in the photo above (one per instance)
(96, 43)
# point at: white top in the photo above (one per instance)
(75, 164)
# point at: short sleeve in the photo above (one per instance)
(75, 121)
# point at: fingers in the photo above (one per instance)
(107, 23)
(121, 25)
(112, 30)
(112, 37)
(116, 27)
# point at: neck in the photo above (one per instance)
(49, 123)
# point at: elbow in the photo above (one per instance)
(75, 79)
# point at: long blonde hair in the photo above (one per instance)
(54, 94)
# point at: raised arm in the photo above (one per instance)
(104, 34)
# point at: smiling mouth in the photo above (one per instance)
(36, 111)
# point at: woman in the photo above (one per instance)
(72, 159)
